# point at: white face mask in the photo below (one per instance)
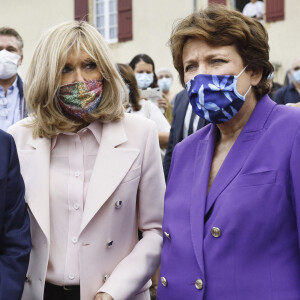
(165, 83)
(296, 75)
(144, 80)
(9, 63)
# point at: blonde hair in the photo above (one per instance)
(44, 77)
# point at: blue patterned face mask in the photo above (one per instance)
(215, 97)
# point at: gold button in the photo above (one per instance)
(163, 281)
(216, 232)
(199, 284)
(167, 235)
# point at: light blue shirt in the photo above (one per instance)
(9, 106)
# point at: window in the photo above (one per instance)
(81, 10)
(274, 10)
(106, 19)
(125, 20)
(240, 4)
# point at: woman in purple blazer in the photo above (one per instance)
(232, 206)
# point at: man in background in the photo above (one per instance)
(184, 123)
(290, 94)
(254, 9)
(12, 102)
(15, 241)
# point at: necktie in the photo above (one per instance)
(191, 127)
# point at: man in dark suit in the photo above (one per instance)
(15, 242)
(184, 123)
(290, 94)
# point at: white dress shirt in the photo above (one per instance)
(9, 106)
(72, 160)
(152, 112)
(187, 121)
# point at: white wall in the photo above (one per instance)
(32, 18)
(284, 38)
(152, 25)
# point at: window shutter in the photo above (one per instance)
(124, 20)
(274, 10)
(217, 2)
(81, 10)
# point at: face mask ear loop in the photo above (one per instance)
(237, 76)
(248, 91)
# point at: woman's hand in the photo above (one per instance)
(163, 102)
(103, 296)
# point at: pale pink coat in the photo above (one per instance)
(128, 168)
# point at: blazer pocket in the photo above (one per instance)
(132, 174)
(259, 178)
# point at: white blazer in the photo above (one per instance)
(128, 168)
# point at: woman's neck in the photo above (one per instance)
(229, 131)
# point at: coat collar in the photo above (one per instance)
(240, 149)
(202, 163)
(111, 165)
(201, 203)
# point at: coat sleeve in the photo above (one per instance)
(15, 244)
(133, 272)
(295, 179)
(279, 96)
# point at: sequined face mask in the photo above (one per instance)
(80, 98)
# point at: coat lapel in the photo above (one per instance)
(240, 150)
(111, 166)
(35, 171)
(202, 163)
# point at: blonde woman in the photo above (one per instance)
(93, 175)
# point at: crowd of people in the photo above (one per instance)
(114, 187)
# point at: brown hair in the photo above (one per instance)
(44, 77)
(129, 79)
(12, 32)
(148, 60)
(220, 26)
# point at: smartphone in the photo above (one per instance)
(151, 94)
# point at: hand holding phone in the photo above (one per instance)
(153, 95)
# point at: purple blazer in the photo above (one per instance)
(241, 241)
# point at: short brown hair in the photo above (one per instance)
(220, 26)
(44, 77)
(12, 32)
